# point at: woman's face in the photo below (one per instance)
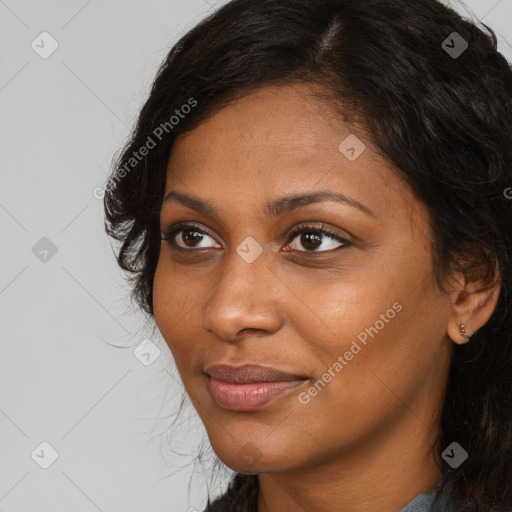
(353, 317)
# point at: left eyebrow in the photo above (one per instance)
(274, 208)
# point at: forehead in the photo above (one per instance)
(282, 139)
(286, 119)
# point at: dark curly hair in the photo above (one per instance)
(443, 121)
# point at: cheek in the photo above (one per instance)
(331, 311)
(162, 297)
(370, 321)
(367, 382)
(172, 303)
(178, 302)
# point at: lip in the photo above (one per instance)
(250, 373)
(249, 387)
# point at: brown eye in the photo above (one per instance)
(188, 237)
(312, 238)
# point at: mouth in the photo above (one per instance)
(249, 387)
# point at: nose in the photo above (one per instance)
(247, 297)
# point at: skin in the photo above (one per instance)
(364, 441)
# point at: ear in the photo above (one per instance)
(474, 297)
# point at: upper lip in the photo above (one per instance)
(250, 373)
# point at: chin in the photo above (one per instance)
(249, 459)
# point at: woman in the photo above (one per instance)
(314, 206)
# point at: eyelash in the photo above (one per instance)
(172, 231)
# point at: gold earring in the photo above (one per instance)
(463, 332)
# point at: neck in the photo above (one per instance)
(384, 474)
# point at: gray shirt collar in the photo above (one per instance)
(420, 503)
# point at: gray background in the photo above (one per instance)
(62, 379)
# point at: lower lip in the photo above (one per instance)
(247, 397)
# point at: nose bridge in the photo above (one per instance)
(244, 296)
(246, 265)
